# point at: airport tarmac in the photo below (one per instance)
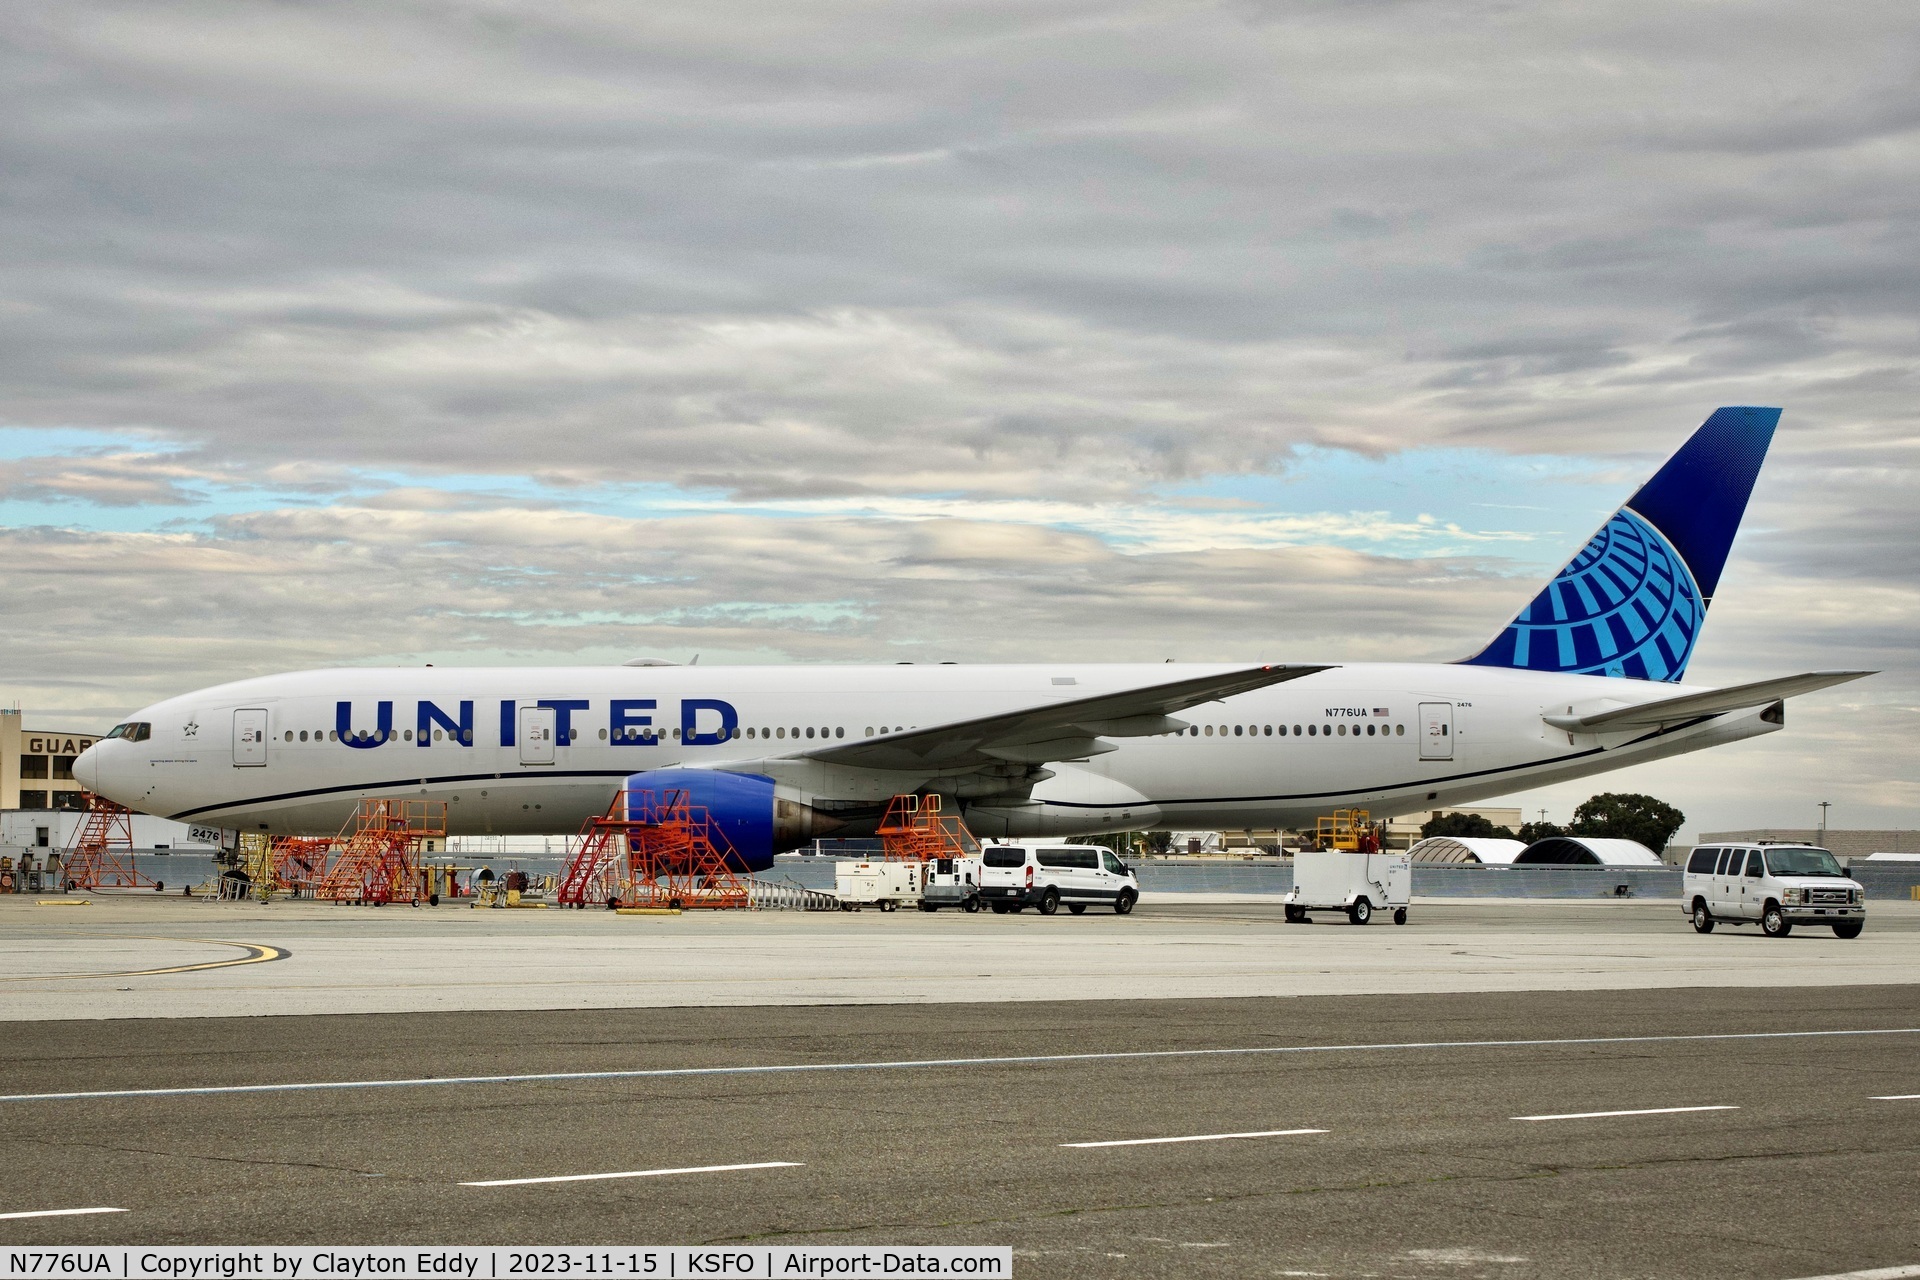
(1698, 1132)
(151, 956)
(1512, 1089)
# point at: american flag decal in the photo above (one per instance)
(1381, 711)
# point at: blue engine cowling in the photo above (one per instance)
(744, 809)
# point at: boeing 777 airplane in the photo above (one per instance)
(1585, 679)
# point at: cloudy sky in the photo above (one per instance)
(493, 331)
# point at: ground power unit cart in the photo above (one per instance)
(1356, 883)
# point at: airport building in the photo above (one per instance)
(1840, 843)
(1402, 832)
(36, 765)
(54, 829)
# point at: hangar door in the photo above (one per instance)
(536, 735)
(249, 736)
(1436, 731)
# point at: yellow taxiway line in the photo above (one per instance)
(257, 953)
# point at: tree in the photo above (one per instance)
(1625, 815)
(1458, 825)
(1532, 831)
(1125, 844)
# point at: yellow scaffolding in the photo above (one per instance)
(256, 859)
(1343, 830)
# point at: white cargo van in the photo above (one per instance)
(1773, 885)
(1014, 877)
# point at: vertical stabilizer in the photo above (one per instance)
(1632, 602)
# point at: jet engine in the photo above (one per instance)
(755, 816)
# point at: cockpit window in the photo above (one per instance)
(119, 731)
(142, 731)
(132, 731)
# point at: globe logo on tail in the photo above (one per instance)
(1625, 606)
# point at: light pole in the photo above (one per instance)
(1824, 805)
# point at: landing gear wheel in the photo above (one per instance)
(1849, 928)
(1703, 920)
(1123, 904)
(1361, 912)
(1774, 922)
(1049, 902)
(1078, 908)
(1400, 915)
(1296, 915)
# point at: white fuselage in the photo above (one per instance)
(1277, 757)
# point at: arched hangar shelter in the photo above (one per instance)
(1586, 851)
(1466, 849)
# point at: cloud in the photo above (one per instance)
(923, 329)
(104, 479)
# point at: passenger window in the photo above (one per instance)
(1113, 864)
(1701, 862)
(1725, 856)
(1755, 868)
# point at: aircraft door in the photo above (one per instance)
(249, 736)
(536, 735)
(1436, 731)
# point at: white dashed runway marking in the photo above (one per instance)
(634, 1173)
(1643, 1111)
(1197, 1137)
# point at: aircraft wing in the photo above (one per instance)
(1072, 729)
(1647, 715)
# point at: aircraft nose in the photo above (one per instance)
(86, 768)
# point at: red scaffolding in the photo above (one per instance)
(300, 863)
(378, 851)
(101, 853)
(652, 850)
(913, 829)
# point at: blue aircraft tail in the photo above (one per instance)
(1631, 603)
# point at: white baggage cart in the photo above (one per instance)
(887, 885)
(1356, 883)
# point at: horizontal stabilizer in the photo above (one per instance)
(1611, 716)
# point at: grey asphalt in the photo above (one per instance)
(1422, 1172)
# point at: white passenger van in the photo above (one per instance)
(1014, 877)
(1773, 885)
